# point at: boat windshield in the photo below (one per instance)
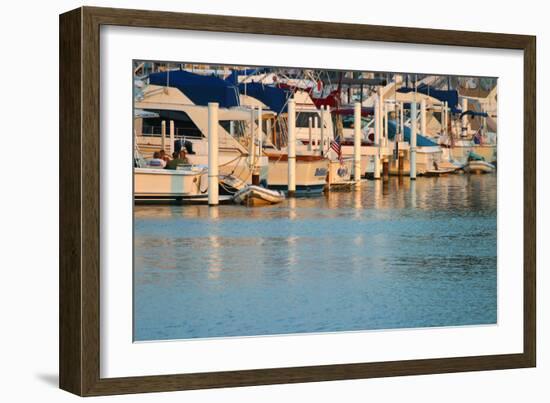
(183, 124)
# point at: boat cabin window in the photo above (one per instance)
(238, 127)
(348, 122)
(183, 125)
(302, 119)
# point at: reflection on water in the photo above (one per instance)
(390, 255)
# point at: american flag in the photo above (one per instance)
(478, 139)
(337, 149)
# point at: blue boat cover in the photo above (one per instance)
(274, 97)
(421, 141)
(199, 88)
(451, 96)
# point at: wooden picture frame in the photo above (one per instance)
(79, 346)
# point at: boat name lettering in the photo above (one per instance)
(321, 172)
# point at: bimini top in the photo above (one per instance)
(275, 98)
(199, 88)
(451, 96)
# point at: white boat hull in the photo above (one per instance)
(311, 174)
(340, 172)
(169, 184)
(427, 159)
(258, 196)
(479, 167)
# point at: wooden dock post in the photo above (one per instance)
(412, 169)
(291, 147)
(377, 130)
(251, 143)
(423, 117)
(310, 130)
(260, 136)
(357, 144)
(163, 135)
(402, 122)
(444, 118)
(172, 138)
(213, 191)
(257, 149)
(385, 110)
(398, 155)
(322, 127)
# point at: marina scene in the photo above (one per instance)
(272, 201)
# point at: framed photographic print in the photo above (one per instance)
(249, 201)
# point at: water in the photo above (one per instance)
(395, 255)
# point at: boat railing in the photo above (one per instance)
(156, 131)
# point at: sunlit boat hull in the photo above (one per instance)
(479, 167)
(166, 184)
(311, 174)
(258, 196)
(340, 173)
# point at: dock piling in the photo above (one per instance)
(172, 137)
(402, 122)
(357, 144)
(163, 135)
(444, 118)
(213, 191)
(412, 169)
(325, 141)
(423, 117)
(251, 143)
(291, 148)
(257, 149)
(377, 130)
(385, 116)
(310, 130)
(322, 127)
(260, 132)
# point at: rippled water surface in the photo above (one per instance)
(394, 255)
